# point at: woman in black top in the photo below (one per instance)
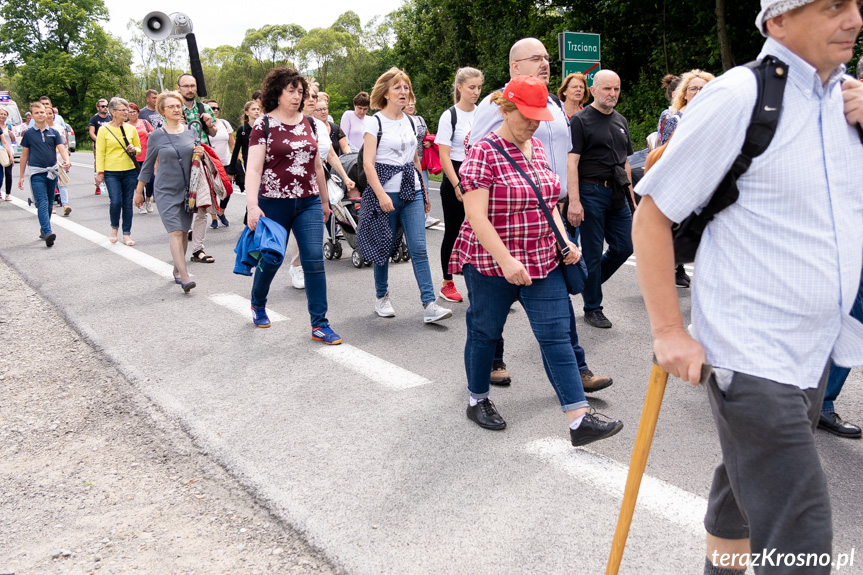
(237, 172)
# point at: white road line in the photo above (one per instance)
(241, 306)
(376, 369)
(146, 261)
(656, 496)
(631, 262)
(82, 165)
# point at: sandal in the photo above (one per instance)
(113, 239)
(129, 241)
(200, 257)
(8, 198)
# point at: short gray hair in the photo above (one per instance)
(117, 102)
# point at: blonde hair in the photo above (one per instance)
(462, 75)
(383, 85)
(160, 101)
(507, 106)
(680, 96)
(561, 92)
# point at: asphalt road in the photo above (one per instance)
(365, 448)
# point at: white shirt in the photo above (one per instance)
(219, 142)
(398, 146)
(324, 142)
(777, 272)
(458, 140)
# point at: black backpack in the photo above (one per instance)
(358, 172)
(771, 75)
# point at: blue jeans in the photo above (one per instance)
(426, 179)
(412, 217)
(305, 218)
(43, 194)
(601, 224)
(580, 357)
(121, 192)
(838, 375)
(545, 302)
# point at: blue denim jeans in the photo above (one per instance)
(838, 375)
(43, 195)
(602, 224)
(305, 218)
(580, 357)
(412, 217)
(545, 302)
(121, 192)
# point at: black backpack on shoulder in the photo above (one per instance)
(358, 172)
(771, 75)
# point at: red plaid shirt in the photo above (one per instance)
(513, 209)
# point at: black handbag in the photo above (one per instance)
(574, 274)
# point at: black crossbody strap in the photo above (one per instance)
(179, 158)
(564, 247)
(125, 139)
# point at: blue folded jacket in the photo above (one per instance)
(267, 242)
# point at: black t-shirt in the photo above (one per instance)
(602, 141)
(97, 122)
(336, 134)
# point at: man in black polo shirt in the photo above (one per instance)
(601, 144)
(39, 147)
(99, 119)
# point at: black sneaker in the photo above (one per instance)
(593, 428)
(485, 415)
(597, 319)
(681, 279)
(49, 239)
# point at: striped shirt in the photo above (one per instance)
(777, 272)
(513, 209)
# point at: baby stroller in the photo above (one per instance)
(343, 223)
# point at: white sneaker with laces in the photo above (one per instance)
(431, 221)
(433, 312)
(384, 307)
(298, 279)
(149, 206)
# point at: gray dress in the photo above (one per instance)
(169, 189)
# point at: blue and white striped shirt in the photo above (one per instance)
(777, 272)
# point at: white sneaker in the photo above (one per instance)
(433, 312)
(298, 279)
(384, 307)
(149, 206)
(142, 210)
(431, 221)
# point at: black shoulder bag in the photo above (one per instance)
(125, 148)
(574, 274)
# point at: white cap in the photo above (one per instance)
(773, 8)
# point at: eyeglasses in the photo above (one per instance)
(187, 86)
(536, 59)
(321, 109)
(101, 105)
(694, 88)
(174, 107)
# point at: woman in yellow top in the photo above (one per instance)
(116, 145)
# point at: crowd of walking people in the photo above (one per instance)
(538, 204)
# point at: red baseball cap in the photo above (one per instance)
(530, 96)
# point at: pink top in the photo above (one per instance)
(289, 164)
(142, 126)
(513, 209)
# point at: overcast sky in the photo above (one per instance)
(219, 22)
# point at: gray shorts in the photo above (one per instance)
(770, 487)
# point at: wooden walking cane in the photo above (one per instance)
(643, 439)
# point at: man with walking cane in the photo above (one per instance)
(776, 274)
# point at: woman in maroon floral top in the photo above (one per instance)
(507, 252)
(284, 165)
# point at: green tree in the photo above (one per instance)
(57, 48)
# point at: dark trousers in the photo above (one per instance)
(453, 216)
(602, 223)
(770, 487)
(8, 179)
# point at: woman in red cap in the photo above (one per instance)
(507, 252)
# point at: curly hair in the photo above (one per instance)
(680, 98)
(506, 105)
(160, 101)
(561, 92)
(275, 83)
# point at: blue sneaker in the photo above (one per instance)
(259, 316)
(326, 335)
(215, 224)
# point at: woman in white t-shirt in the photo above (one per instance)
(395, 200)
(223, 144)
(452, 132)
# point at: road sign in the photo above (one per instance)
(578, 46)
(588, 68)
